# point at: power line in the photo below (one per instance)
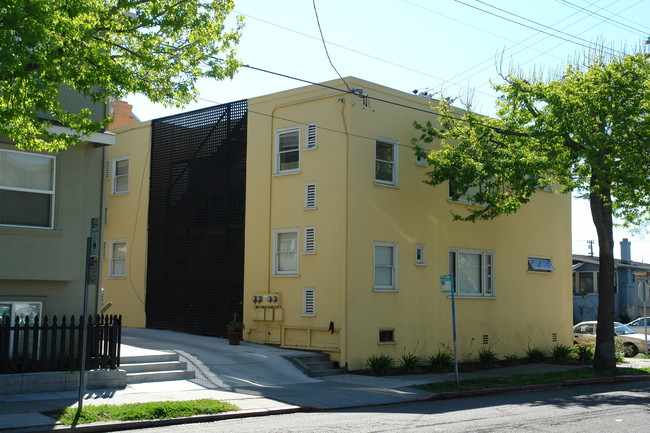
(608, 19)
(325, 46)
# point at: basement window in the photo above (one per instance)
(386, 335)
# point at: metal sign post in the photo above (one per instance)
(447, 286)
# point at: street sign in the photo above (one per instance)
(447, 283)
(642, 287)
(94, 235)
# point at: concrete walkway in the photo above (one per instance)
(256, 378)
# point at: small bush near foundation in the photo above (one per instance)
(534, 354)
(562, 353)
(379, 365)
(487, 357)
(442, 361)
(583, 352)
(409, 362)
(511, 359)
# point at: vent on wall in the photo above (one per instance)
(310, 240)
(312, 135)
(310, 196)
(105, 217)
(554, 337)
(107, 173)
(309, 298)
(485, 339)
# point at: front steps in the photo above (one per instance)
(154, 368)
(315, 364)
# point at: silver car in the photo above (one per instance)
(637, 325)
(585, 332)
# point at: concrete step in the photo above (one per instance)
(326, 372)
(159, 376)
(321, 365)
(158, 357)
(143, 367)
(315, 365)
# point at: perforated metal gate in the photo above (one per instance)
(195, 268)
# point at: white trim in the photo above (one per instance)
(114, 177)
(111, 262)
(309, 246)
(536, 265)
(393, 266)
(487, 271)
(275, 271)
(394, 162)
(278, 133)
(422, 260)
(51, 192)
(308, 302)
(106, 137)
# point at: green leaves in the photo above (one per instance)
(587, 130)
(105, 49)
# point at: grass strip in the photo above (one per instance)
(528, 379)
(142, 411)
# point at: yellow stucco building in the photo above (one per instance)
(341, 244)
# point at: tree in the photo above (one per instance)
(104, 49)
(587, 130)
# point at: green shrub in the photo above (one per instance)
(583, 352)
(534, 354)
(409, 362)
(487, 357)
(562, 353)
(442, 361)
(379, 365)
(511, 359)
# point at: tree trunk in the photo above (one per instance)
(601, 213)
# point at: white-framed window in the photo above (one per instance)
(422, 160)
(285, 252)
(308, 302)
(310, 196)
(312, 136)
(385, 266)
(287, 150)
(420, 254)
(117, 261)
(27, 185)
(9, 310)
(473, 272)
(542, 265)
(121, 175)
(385, 162)
(463, 198)
(310, 240)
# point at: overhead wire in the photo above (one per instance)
(608, 19)
(320, 30)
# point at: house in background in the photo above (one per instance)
(628, 304)
(306, 211)
(48, 203)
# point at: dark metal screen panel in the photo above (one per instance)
(195, 263)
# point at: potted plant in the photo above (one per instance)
(234, 330)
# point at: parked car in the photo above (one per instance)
(637, 325)
(585, 332)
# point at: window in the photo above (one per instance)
(420, 255)
(454, 194)
(310, 196)
(386, 335)
(26, 189)
(385, 266)
(286, 252)
(310, 240)
(385, 162)
(117, 263)
(422, 160)
(586, 282)
(312, 136)
(473, 272)
(121, 175)
(308, 302)
(540, 264)
(287, 151)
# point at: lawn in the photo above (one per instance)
(141, 411)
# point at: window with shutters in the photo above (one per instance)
(312, 136)
(310, 240)
(287, 150)
(309, 302)
(285, 257)
(310, 196)
(121, 175)
(26, 189)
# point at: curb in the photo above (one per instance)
(538, 387)
(130, 425)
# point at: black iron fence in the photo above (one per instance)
(29, 345)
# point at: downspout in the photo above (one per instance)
(344, 329)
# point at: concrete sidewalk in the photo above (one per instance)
(256, 378)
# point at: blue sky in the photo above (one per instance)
(453, 47)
